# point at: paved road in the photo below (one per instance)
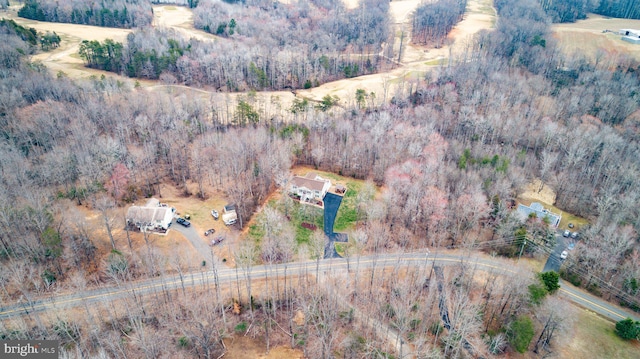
(227, 275)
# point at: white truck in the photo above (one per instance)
(230, 216)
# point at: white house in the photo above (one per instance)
(630, 35)
(629, 32)
(153, 216)
(310, 187)
(540, 212)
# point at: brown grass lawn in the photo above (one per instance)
(594, 337)
(546, 196)
(586, 37)
(241, 347)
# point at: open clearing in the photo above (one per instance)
(587, 38)
(544, 194)
(240, 347)
(594, 337)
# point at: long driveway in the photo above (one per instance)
(228, 275)
(554, 262)
(331, 206)
(191, 234)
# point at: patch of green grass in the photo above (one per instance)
(303, 235)
(303, 213)
(348, 211)
(241, 327)
(436, 62)
(595, 337)
(256, 232)
(341, 248)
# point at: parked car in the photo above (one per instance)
(209, 231)
(571, 246)
(566, 233)
(183, 222)
(217, 240)
(564, 255)
(215, 214)
(574, 235)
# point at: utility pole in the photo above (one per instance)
(524, 241)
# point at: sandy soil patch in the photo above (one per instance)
(179, 18)
(535, 191)
(241, 347)
(587, 38)
(172, 16)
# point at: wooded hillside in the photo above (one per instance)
(451, 157)
(265, 47)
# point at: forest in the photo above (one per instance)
(432, 21)
(110, 13)
(260, 46)
(572, 10)
(451, 156)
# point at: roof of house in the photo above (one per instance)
(147, 214)
(539, 211)
(152, 202)
(309, 183)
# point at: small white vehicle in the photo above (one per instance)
(564, 255)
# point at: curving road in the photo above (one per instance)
(326, 267)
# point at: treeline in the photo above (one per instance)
(237, 65)
(302, 44)
(626, 9)
(572, 10)
(109, 13)
(30, 35)
(432, 22)
(189, 3)
(148, 53)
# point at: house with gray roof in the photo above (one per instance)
(152, 217)
(540, 212)
(309, 188)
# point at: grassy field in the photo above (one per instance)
(596, 36)
(297, 214)
(594, 337)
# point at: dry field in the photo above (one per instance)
(587, 38)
